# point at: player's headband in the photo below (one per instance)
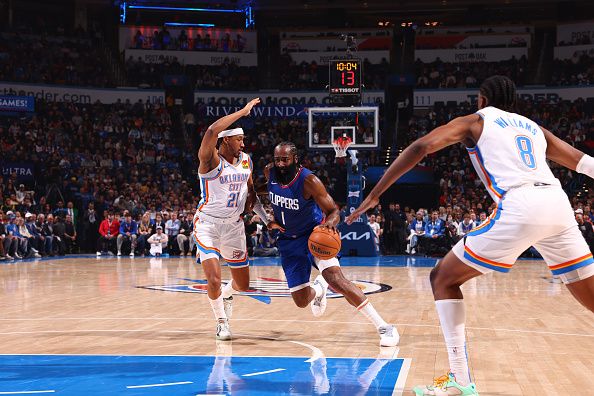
(230, 132)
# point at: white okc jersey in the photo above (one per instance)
(224, 189)
(510, 152)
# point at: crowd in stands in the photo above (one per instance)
(164, 40)
(579, 70)
(227, 75)
(34, 57)
(441, 74)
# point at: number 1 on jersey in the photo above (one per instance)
(283, 217)
(526, 150)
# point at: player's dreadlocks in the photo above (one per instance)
(500, 92)
(290, 145)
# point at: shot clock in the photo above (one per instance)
(345, 77)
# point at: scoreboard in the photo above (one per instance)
(345, 77)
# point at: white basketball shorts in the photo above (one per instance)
(539, 216)
(225, 241)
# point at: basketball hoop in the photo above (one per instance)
(341, 145)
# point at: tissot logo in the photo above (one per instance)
(264, 288)
(353, 236)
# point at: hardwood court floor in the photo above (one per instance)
(527, 336)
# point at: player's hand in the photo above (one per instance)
(248, 107)
(368, 203)
(273, 225)
(332, 228)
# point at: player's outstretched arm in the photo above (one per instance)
(209, 142)
(314, 188)
(456, 131)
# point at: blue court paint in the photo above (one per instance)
(192, 375)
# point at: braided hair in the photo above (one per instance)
(290, 145)
(500, 92)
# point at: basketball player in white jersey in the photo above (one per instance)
(509, 153)
(225, 174)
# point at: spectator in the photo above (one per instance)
(416, 229)
(144, 232)
(434, 234)
(60, 241)
(266, 245)
(128, 232)
(108, 232)
(90, 228)
(70, 235)
(23, 232)
(185, 236)
(36, 240)
(172, 227)
(158, 242)
(585, 227)
(465, 225)
(46, 235)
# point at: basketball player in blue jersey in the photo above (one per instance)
(300, 203)
(509, 153)
(225, 173)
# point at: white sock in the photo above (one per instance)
(228, 290)
(371, 314)
(218, 308)
(452, 317)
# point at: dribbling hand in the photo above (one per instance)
(251, 103)
(368, 203)
(328, 227)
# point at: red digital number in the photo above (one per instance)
(350, 78)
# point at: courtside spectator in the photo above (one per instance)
(128, 232)
(108, 232)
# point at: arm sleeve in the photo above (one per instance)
(259, 210)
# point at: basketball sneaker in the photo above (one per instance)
(446, 385)
(223, 331)
(389, 336)
(318, 304)
(228, 304)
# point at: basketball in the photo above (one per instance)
(323, 243)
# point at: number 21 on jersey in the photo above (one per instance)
(526, 150)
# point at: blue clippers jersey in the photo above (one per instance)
(296, 214)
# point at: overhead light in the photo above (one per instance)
(163, 8)
(206, 25)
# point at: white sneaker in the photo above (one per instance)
(98, 254)
(131, 254)
(119, 253)
(389, 336)
(318, 304)
(223, 331)
(228, 304)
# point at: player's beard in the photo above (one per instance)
(287, 173)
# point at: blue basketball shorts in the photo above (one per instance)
(297, 262)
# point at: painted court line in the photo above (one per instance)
(26, 392)
(316, 352)
(264, 372)
(401, 381)
(270, 320)
(156, 385)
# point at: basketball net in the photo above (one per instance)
(341, 145)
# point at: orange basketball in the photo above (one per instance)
(323, 243)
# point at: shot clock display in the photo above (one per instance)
(345, 77)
